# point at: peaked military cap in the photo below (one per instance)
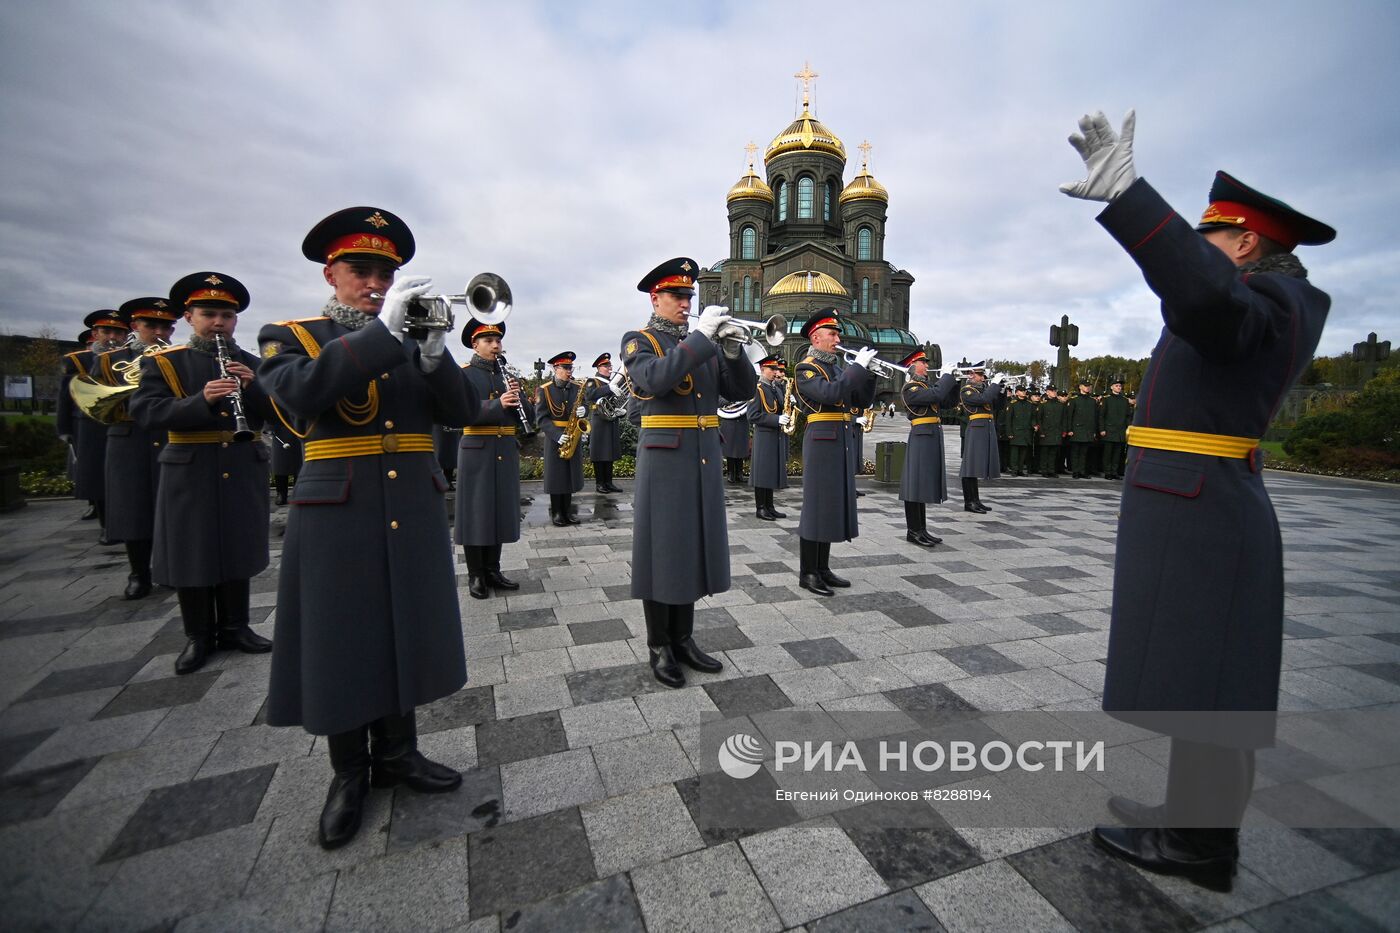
(209, 288)
(360, 233)
(1116, 381)
(1235, 204)
(770, 361)
(152, 309)
(85, 337)
(563, 359)
(826, 317)
(603, 358)
(107, 317)
(673, 275)
(914, 357)
(475, 329)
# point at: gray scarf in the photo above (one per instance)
(824, 356)
(666, 327)
(346, 316)
(209, 346)
(1280, 263)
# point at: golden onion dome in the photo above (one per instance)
(864, 185)
(750, 186)
(807, 283)
(805, 133)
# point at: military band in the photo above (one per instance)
(827, 390)
(106, 331)
(563, 417)
(768, 472)
(980, 457)
(924, 479)
(211, 514)
(680, 536)
(132, 469)
(368, 626)
(488, 462)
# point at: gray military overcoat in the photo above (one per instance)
(980, 457)
(770, 444)
(828, 450)
(925, 475)
(132, 467)
(554, 405)
(604, 436)
(488, 465)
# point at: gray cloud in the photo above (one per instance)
(570, 147)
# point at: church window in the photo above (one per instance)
(804, 198)
(749, 240)
(826, 201)
(747, 304)
(865, 296)
(875, 298)
(863, 244)
(782, 201)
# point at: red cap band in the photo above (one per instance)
(365, 243)
(1251, 218)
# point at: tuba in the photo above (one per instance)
(575, 429)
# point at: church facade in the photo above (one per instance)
(802, 239)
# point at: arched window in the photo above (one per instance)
(875, 299)
(826, 201)
(782, 201)
(863, 245)
(865, 295)
(749, 243)
(747, 304)
(804, 198)
(758, 296)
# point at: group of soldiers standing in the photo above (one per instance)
(1083, 435)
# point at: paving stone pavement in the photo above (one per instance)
(134, 800)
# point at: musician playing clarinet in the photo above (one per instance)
(211, 513)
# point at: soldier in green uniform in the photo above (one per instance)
(1051, 432)
(1020, 430)
(1083, 417)
(1033, 452)
(1114, 415)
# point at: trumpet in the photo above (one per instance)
(878, 366)
(487, 296)
(772, 331)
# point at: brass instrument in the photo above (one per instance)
(575, 429)
(102, 402)
(487, 296)
(878, 366)
(734, 411)
(612, 407)
(790, 408)
(867, 420)
(772, 331)
(241, 431)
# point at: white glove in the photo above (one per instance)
(430, 350)
(563, 439)
(711, 319)
(732, 330)
(581, 411)
(1108, 158)
(863, 357)
(394, 313)
(784, 420)
(615, 384)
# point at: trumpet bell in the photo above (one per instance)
(775, 330)
(99, 402)
(489, 298)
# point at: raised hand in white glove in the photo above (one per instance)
(430, 350)
(581, 411)
(394, 313)
(615, 384)
(863, 357)
(1108, 157)
(784, 420)
(711, 319)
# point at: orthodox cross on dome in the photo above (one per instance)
(751, 149)
(806, 76)
(864, 148)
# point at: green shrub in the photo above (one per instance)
(45, 484)
(30, 441)
(1357, 433)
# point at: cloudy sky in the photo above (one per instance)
(572, 146)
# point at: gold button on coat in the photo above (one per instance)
(393, 474)
(394, 525)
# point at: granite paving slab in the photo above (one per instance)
(187, 811)
(720, 878)
(517, 864)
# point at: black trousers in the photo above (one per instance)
(1208, 786)
(482, 557)
(668, 623)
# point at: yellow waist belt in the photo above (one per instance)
(680, 421)
(201, 437)
(560, 424)
(829, 416)
(493, 431)
(368, 446)
(1191, 442)
(929, 420)
(978, 417)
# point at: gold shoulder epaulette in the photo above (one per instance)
(164, 350)
(301, 320)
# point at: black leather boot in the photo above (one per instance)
(914, 525)
(971, 503)
(345, 800)
(566, 510)
(281, 482)
(231, 603)
(824, 567)
(91, 512)
(197, 615)
(683, 644)
(493, 569)
(772, 509)
(807, 576)
(760, 503)
(476, 572)
(663, 659)
(1205, 856)
(395, 758)
(138, 583)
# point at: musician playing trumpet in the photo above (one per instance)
(562, 412)
(488, 462)
(211, 513)
(604, 434)
(770, 443)
(925, 477)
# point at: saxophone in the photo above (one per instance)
(867, 419)
(790, 408)
(576, 428)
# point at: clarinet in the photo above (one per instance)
(506, 380)
(241, 430)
